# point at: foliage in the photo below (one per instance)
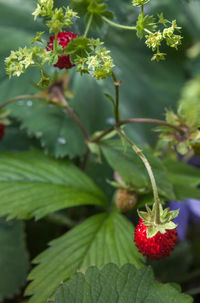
(13, 258)
(67, 154)
(98, 240)
(112, 284)
(41, 185)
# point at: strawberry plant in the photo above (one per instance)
(94, 203)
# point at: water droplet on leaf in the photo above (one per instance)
(29, 103)
(62, 140)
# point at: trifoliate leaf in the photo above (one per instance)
(13, 258)
(34, 185)
(99, 240)
(113, 284)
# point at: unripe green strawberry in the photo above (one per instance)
(125, 200)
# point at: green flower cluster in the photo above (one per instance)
(20, 60)
(99, 65)
(90, 57)
(153, 40)
(58, 18)
(186, 119)
(139, 2)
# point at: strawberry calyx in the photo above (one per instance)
(166, 217)
(4, 113)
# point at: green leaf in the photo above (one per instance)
(97, 241)
(184, 178)
(32, 184)
(96, 7)
(78, 47)
(56, 130)
(13, 258)
(113, 284)
(132, 170)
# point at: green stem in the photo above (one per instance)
(142, 11)
(116, 106)
(58, 93)
(147, 31)
(88, 25)
(56, 42)
(136, 120)
(120, 26)
(139, 152)
(23, 97)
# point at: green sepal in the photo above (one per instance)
(144, 215)
(173, 214)
(147, 22)
(78, 47)
(4, 113)
(166, 216)
(152, 231)
(95, 149)
(170, 225)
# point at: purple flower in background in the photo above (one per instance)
(190, 210)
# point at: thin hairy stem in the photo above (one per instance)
(136, 120)
(139, 152)
(23, 97)
(88, 25)
(120, 26)
(116, 106)
(85, 159)
(63, 101)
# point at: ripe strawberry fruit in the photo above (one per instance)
(63, 39)
(156, 247)
(2, 128)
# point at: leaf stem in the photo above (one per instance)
(136, 120)
(116, 105)
(120, 26)
(88, 25)
(57, 92)
(139, 152)
(23, 97)
(85, 159)
(142, 12)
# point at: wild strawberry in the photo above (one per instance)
(63, 39)
(2, 129)
(156, 247)
(125, 200)
(155, 235)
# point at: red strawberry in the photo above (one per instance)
(63, 39)
(2, 128)
(156, 247)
